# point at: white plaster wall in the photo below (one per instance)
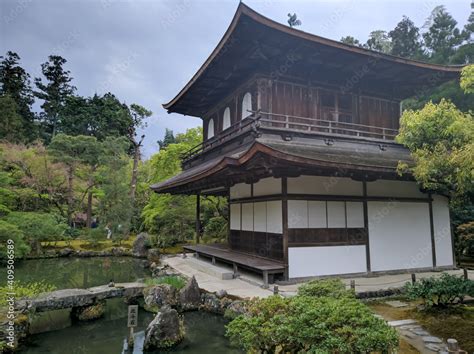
(324, 185)
(247, 216)
(442, 231)
(235, 216)
(336, 214)
(399, 235)
(267, 186)
(260, 217)
(355, 214)
(274, 217)
(297, 214)
(330, 260)
(386, 188)
(241, 190)
(317, 214)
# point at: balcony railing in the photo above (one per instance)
(290, 123)
(232, 131)
(312, 125)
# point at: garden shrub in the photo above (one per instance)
(443, 291)
(27, 290)
(325, 287)
(38, 227)
(311, 324)
(12, 232)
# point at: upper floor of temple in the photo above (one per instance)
(269, 77)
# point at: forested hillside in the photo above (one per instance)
(74, 170)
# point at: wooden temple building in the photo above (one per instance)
(299, 134)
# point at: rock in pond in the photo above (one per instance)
(158, 296)
(211, 303)
(140, 245)
(87, 313)
(165, 331)
(190, 295)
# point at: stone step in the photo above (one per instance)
(205, 266)
(401, 323)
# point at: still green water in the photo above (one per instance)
(204, 335)
(204, 332)
(65, 273)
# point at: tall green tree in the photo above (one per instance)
(15, 83)
(99, 116)
(443, 36)
(379, 41)
(405, 38)
(351, 40)
(115, 207)
(73, 151)
(139, 114)
(53, 91)
(167, 140)
(11, 123)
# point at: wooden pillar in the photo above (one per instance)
(284, 208)
(366, 226)
(433, 246)
(198, 218)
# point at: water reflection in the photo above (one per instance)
(80, 272)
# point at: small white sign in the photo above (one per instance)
(132, 315)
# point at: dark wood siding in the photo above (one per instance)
(327, 237)
(263, 244)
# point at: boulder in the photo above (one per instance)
(190, 295)
(66, 252)
(165, 331)
(140, 245)
(211, 303)
(158, 296)
(87, 313)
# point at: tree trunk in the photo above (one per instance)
(90, 184)
(70, 193)
(136, 159)
(133, 183)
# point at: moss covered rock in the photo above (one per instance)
(88, 313)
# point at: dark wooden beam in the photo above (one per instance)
(432, 233)
(284, 209)
(366, 226)
(198, 218)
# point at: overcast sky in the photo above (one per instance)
(146, 51)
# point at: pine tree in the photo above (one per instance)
(443, 36)
(54, 93)
(406, 39)
(167, 140)
(15, 83)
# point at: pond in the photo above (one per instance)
(204, 331)
(72, 272)
(204, 335)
